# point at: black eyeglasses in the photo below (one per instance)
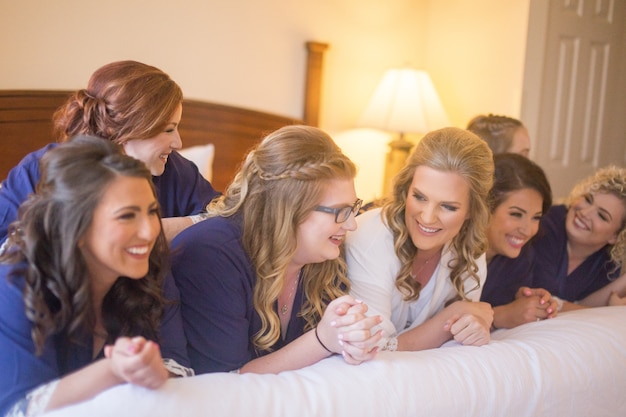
(342, 214)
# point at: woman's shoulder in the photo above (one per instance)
(218, 232)
(371, 222)
(552, 226)
(371, 227)
(26, 172)
(372, 238)
(555, 215)
(182, 190)
(11, 288)
(178, 166)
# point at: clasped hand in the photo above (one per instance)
(346, 329)
(535, 304)
(471, 323)
(137, 361)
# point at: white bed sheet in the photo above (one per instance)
(574, 365)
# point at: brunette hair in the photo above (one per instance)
(515, 172)
(45, 238)
(448, 150)
(609, 180)
(497, 131)
(123, 100)
(280, 182)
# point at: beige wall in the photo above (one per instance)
(251, 53)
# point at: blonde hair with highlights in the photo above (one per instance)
(279, 184)
(447, 150)
(608, 180)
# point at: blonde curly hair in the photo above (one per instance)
(280, 182)
(452, 150)
(609, 180)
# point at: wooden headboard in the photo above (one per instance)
(26, 122)
(26, 125)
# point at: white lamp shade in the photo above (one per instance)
(406, 102)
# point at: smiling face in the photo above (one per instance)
(437, 205)
(319, 237)
(155, 151)
(514, 222)
(594, 220)
(122, 233)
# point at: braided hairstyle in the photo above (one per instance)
(123, 100)
(497, 131)
(57, 293)
(280, 182)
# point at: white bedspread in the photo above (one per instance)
(574, 365)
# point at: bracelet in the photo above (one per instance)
(319, 340)
(391, 345)
(559, 303)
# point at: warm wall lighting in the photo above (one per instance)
(405, 101)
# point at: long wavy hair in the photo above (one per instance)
(123, 100)
(57, 294)
(610, 180)
(448, 150)
(279, 184)
(496, 130)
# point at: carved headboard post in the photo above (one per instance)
(313, 86)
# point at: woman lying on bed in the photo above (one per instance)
(262, 283)
(419, 261)
(519, 197)
(80, 284)
(581, 248)
(139, 107)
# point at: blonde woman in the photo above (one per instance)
(262, 282)
(419, 261)
(582, 247)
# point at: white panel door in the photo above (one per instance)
(574, 87)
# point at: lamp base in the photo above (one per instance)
(396, 158)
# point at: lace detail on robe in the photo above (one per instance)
(35, 402)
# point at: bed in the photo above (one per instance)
(573, 365)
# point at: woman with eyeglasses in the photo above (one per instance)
(263, 287)
(419, 261)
